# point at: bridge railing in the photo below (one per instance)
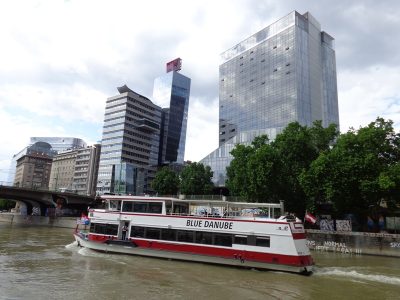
(32, 186)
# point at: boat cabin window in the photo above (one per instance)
(203, 237)
(108, 229)
(155, 207)
(168, 207)
(143, 207)
(153, 233)
(262, 241)
(168, 234)
(127, 206)
(115, 205)
(185, 236)
(240, 239)
(198, 237)
(140, 207)
(137, 231)
(223, 239)
(181, 208)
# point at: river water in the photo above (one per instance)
(45, 263)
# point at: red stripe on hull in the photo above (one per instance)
(291, 260)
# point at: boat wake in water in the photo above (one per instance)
(72, 245)
(356, 275)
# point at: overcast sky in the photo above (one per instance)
(60, 60)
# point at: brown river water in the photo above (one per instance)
(45, 263)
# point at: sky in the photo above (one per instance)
(60, 60)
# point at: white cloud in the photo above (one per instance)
(202, 132)
(368, 93)
(69, 102)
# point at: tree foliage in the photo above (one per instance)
(360, 171)
(196, 179)
(6, 204)
(166, 182)
(269, 171)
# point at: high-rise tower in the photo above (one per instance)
(130, 143)
(171, 91)
(284, 73)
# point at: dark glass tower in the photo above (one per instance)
(171, 91)
(284, 73)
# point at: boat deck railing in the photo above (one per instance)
(232, 215)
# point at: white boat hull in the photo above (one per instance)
(131, 249)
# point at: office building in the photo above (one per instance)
(57, 144)
(130, 144)
(86, 168)
(76, 170)
(33, 168)
(62, 171)
(284, 73)
(171, 92)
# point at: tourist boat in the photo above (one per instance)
(251, 235)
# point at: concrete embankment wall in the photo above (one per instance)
(383, 244)
(65, 222)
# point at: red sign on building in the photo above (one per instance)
(174, 65)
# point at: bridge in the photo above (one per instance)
(42, 201)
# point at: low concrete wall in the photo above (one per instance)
(65, 222)
(383, 244)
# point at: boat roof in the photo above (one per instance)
(194, 201)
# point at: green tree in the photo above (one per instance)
(166, 182)
(359, 172)
(237, 174)
(298, 146)
(6, 204)
(270, 171)
(196, 179)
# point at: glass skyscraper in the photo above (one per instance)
(284, 73)
(130, 144)
(171, 91)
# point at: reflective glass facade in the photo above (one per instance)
(172, 92)
(283, 73)
(130, 144)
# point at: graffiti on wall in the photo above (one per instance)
(333, 246)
